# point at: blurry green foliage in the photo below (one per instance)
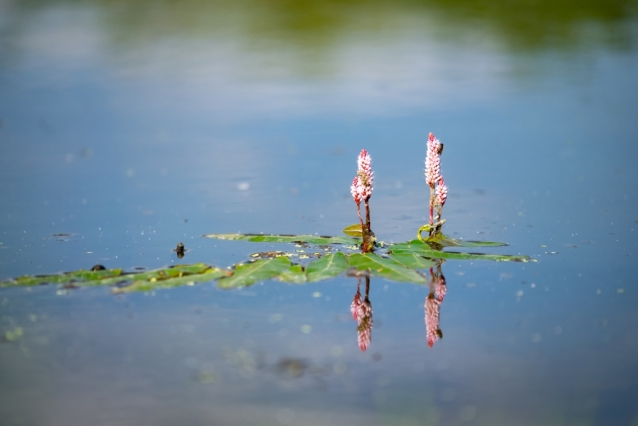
(312, 24)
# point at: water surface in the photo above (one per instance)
(127, 128)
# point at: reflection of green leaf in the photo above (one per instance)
(260, 270)
(209, 274)
(328, 266)
(162, 274)
(353, 230)
(295, 274)
(265, 238)
(446, 241)
(81, 276)
(175, 276)
(384, 267)
(422, 249)
(412, 261)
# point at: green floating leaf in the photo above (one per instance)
(209, 274)
(265, 238)
(422, 249)
(80, 277)
(161, 274)
(353, 230)
(413, 261)
(328, 266)
(251, 273)
(385, 267)
(446, 241)
(175, 276)
(295, 274)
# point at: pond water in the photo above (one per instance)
(127, 127)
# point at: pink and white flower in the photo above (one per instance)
(354, 190)
(365, 175)
(433, 161)
(441, 191)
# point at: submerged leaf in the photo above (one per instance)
(265, 238)
(385, 267)
(328, 266)
(251, 273)
(353, 230)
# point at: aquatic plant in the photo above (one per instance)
(434, 179)
(397, 262)
(361, 190)
(331, 256)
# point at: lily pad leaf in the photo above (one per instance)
(353, 230)
(295, 274)
(266, 238)
(423, 249)
(413, 261)
(328, 266)
(384, 267)
(250, 273)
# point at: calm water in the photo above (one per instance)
(126, 128)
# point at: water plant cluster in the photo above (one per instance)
(356, 254)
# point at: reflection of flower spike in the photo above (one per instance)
(362, 313)
(364, 329)
(440, 288)
(432, 318)
(355, 306)
(433, 305)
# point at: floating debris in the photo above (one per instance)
(13, 335)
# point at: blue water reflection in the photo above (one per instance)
(120, 138)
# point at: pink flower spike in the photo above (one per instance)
(433, 161)
(441, 192)
(354, 190)
(365, 175)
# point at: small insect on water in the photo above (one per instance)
(180, 250)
